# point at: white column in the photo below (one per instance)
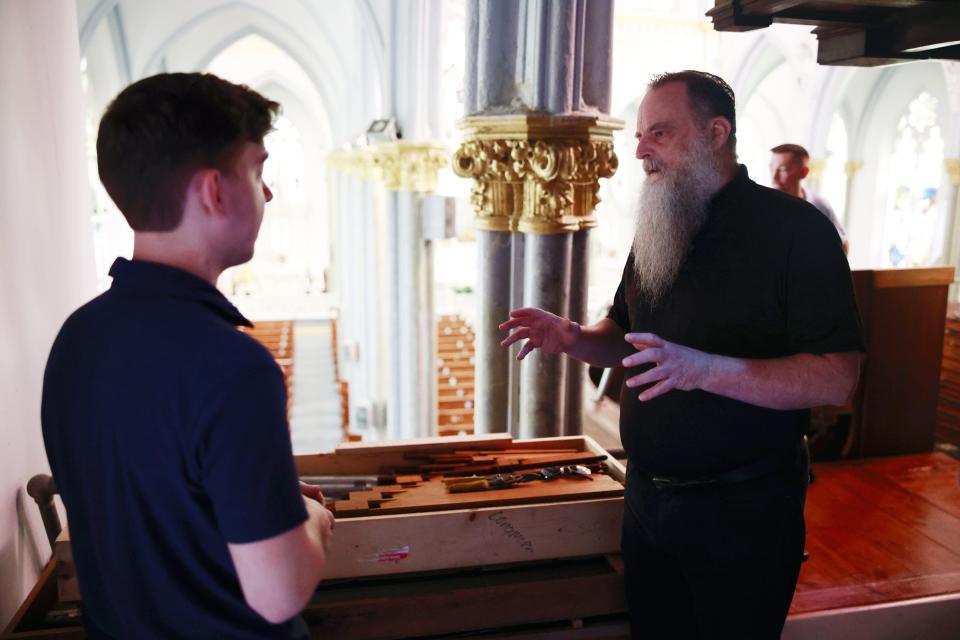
(46, 253)
(415, 103)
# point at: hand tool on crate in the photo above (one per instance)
(506, 480)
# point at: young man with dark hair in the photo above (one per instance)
(735, 314)
(789, 165)
(165, 426)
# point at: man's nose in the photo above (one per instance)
(267, 194)
(643, 150)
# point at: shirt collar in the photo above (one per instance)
(164, 280)
(729, 191)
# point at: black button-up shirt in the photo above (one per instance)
(765, 278)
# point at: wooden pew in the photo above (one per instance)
(455, 375)
(277, 337)
(343, 387)
(948, 403)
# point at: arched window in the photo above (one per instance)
(916, 164)
(833, 185)
(281, 267)
(287, 275)
(112, 237)
(101, 79)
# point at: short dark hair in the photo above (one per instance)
(710, 96)
(795, 150)
(160, 130)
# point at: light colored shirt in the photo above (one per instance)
(825, 208)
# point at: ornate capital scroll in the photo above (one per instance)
(410, 166)
(952, 166)
(536, 173)
(400, 166)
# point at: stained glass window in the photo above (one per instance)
(916, 162)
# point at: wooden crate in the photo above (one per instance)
(414, 542)
(462, 538)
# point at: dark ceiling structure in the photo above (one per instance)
(867, 33)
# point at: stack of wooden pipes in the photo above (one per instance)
(435, 480)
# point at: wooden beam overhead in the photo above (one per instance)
(863, 33)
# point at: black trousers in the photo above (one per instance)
(712, 561)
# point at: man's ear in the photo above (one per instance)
(720, 129)
(207, 184)
(804, 172)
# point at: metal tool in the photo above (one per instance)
(507, 480)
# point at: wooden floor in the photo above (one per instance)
(879, 531)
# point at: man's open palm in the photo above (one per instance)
(542, 330)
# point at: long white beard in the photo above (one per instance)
(670, 213)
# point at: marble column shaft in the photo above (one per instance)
(535, 182)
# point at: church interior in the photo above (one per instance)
(398, 240)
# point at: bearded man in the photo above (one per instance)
(731, 323)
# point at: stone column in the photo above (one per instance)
(576, 370)
(851, 168)
(536, 143)
(362, 303)
(387, 310)
(537, 175)
(408, 171)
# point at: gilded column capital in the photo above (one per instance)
(536, 173)
(852, 167)
(817, 166)
(410, 166)
(952, 166)
(357, 162)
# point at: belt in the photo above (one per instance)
(758, 469)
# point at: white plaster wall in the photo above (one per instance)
(46, 256)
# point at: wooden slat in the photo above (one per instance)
(448, 606)
(433, 496)
(488, 441)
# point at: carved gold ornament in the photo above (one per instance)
(410, 166)
(536, 173)
(817, 167)
(953, 170)
(400, 166)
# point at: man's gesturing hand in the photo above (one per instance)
(542, 329)
(675, 366)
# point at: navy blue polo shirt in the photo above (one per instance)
(166, 431)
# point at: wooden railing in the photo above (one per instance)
(948, 405)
